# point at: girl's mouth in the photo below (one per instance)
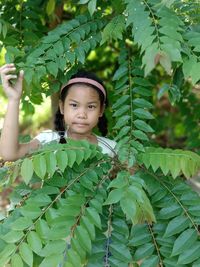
(80, 124)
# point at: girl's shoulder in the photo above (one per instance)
(47, 136)
(108, 141)
(108, 146)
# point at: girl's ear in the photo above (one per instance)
(61, 106)
(102, 110)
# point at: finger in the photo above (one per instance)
(20, 79)
(6, 70)
(11, 65)
(10, 76)
(21, 74)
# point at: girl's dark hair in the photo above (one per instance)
(59, 124)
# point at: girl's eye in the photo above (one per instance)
(91, 107)
(74, 105)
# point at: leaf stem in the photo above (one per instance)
(155, 244)
(109, 231)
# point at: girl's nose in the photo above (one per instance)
(82, 114)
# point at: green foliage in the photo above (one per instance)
(75, 206)
(114, 29)
(131, 109)
(165, 242)
(79, 216)
(157, 31)
(173, 161)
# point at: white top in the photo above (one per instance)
(107, 145)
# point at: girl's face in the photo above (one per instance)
(81, 109)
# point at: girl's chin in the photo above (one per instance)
(79, 131)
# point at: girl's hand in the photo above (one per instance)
(13, 91)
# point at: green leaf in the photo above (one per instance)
(140, 239)
(39, 166)
(96, 204)
(74, 258)
(142, 91)
(124, 131)
(59, 49)
(165, 61)
(50, 163)
(142, 103)
(184, 241)
(82, 2)
(188, 64)
(34, 242)
(4, 30)
(89, 227)
(16, 261)
(27, 170)
(26, 253)
(52, 260)
(75, 37)
(40, 200)
(137, 145)
(7, 251)
(151, 261)
(176, 225)
(53, 247)
(121, 111)
(120, 181)
(42, 229)
(92, 6)
(50, 7)
(190, 254)
(120, 73)
(68, 264)
(70, 56)
(77, 247)
(83, 237)
(122, 121)
(144, 251)
(121, 101)
(31, 211)
(140, 135)
(143, 126)
(62, 159)
(21, 223)
(80, 53)
(80, 155)
(120, 251)
(51, 214)
(71, 157)
(170, 212)
(13, 236)
(114, 196)
(114, 29)
(129, 208)
(93, 216)
(148, 59)
(52, 68)
(195, 73)
(143, 114)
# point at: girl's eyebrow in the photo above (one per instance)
(91, 102)
(73, 100)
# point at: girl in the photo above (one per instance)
(81, 107)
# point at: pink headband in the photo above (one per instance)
(85, 80)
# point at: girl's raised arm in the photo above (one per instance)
(10, 149)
